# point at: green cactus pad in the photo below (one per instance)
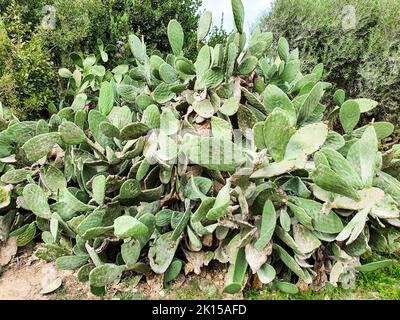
(127, 226)
(105, 274)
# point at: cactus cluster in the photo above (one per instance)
(164, 163)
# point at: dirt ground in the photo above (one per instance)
(26, 282)
(25, 277)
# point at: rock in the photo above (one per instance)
(7, 251)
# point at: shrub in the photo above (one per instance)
(27, 74)
(80, 23)
(357, 40)
(217, 34)
(28, 79)
(30, 11)
(132, 179)
(150, 18)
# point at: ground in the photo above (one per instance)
(27, 277)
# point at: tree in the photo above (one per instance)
(357, 41)
(151, 17)
(218, 34)
(30, 53)
(28, 85)
(80, 22)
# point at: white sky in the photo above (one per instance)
(253, 9)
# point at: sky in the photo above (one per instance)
(253, 9)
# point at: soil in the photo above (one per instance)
(26, 277)
(24, 282)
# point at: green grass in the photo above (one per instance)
(193, 291)
(129, 296)
(63, 294)
(385, 282)
(329, 291)
(129, 283)
(188, 291)
(381, 284)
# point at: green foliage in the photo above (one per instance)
(80, 23)
(150, 18)
(30, 47)
(107, 190)
(28, 85)
(30, 11)
(357, 41)
(384, 281)
(217, 34)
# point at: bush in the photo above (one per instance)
(27, 74)
(361, 55)
(217, 34)
(162, 164)
(29, 50)
(30, 11)
(150, 18)
(79, 23)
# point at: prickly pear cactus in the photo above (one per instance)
(231, 157)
